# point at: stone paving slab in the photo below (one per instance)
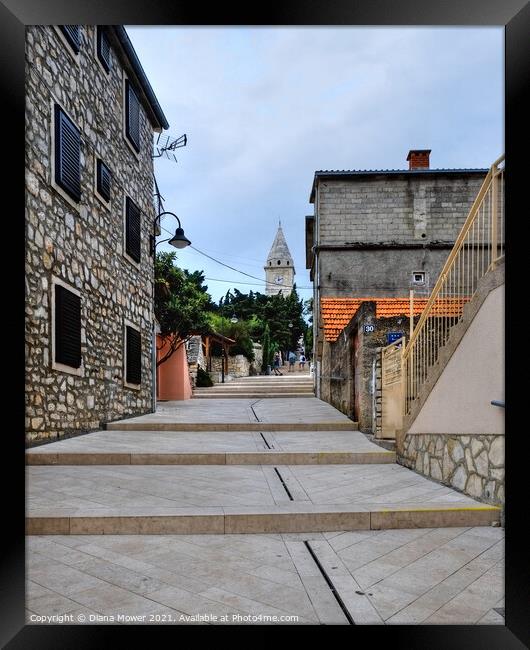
(172, 578)
(218, 448)
(280, 414)
(235, 499)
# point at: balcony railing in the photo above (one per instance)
(478, 248)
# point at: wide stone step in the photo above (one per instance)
(269, 457)
(248, 395)
(276, 519)
(241, 499)
(129, 425)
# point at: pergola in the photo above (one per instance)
(226, 343)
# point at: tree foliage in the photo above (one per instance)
(239, 331)
(181, 303)
(276, 311)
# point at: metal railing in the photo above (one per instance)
(478, 248)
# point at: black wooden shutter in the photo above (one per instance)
(67, 154)
(72, 34)
(103, 180)
(133, 372)
(133, 228)
(67, 327)
(103, 47)
(132, 115)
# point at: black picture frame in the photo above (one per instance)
(515, 16)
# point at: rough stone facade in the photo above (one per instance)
(473, 464)
(83, 244)
(351, 366)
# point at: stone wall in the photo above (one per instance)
(473, 464)
(82, 244)
(196, 358)
(238, 366)
(356, 390)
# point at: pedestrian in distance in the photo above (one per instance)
(302, 362)
(292, 360)
(276, 364)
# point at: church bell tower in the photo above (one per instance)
(279, 267)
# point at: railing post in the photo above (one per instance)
(493, 217)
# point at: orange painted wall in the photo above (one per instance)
(173, 378)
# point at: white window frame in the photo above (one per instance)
(98, 195)
(75, 55)
(61, 367)
(124, 231)
(134, 326)
(419, 282)
(124, 118)
(56, 187)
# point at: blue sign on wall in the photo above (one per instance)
(393, 336)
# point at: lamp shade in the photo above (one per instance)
(179, 240)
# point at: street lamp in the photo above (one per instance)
(233, 319)
(179, 239)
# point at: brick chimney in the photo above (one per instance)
(419, 158)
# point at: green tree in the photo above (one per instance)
(239, 332)
(181, 303)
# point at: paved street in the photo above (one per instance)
(444, 575)
(190, 519)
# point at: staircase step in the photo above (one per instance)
(269, 457)
(274, 519)
(127, 425)
(161, 499)
(253, 395)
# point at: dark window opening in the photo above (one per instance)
(103, 49)
(67, 155)
(279, 261)
(287, 262)
(104, 180)
(133, 225)
(67, 327)
(133, 355)
(72, 33)
(132, 116)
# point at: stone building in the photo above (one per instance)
(279, 267)
(378, 234)
(90, 118)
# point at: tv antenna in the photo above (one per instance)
(165, 146)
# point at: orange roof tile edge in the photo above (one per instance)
(337, 312)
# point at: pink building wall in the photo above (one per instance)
(172, 377)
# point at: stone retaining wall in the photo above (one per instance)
(473, 464)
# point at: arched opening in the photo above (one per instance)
(279, 261)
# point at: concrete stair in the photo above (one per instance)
(290, 385)
(233, 466)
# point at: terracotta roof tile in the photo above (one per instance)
(337, 312)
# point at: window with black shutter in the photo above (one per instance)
(67, 154)
(132, 116)
(67, 327)
(72, 33)
(103, 181)
(133, 356)
(103, 49)
(133, 223)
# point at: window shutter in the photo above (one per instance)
(67, 327)
(72, 34)
(67, 155)
(132, 113)
(133, 373)
(133, 228)
(103, 49)
(104, 179)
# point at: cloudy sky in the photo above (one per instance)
(263, 108)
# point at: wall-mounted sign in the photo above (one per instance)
(393, 336)
(368, 328)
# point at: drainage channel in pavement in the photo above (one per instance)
(329, 583)
(283, 483)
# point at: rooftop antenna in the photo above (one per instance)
(165, 146)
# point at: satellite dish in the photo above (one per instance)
(165, 145)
